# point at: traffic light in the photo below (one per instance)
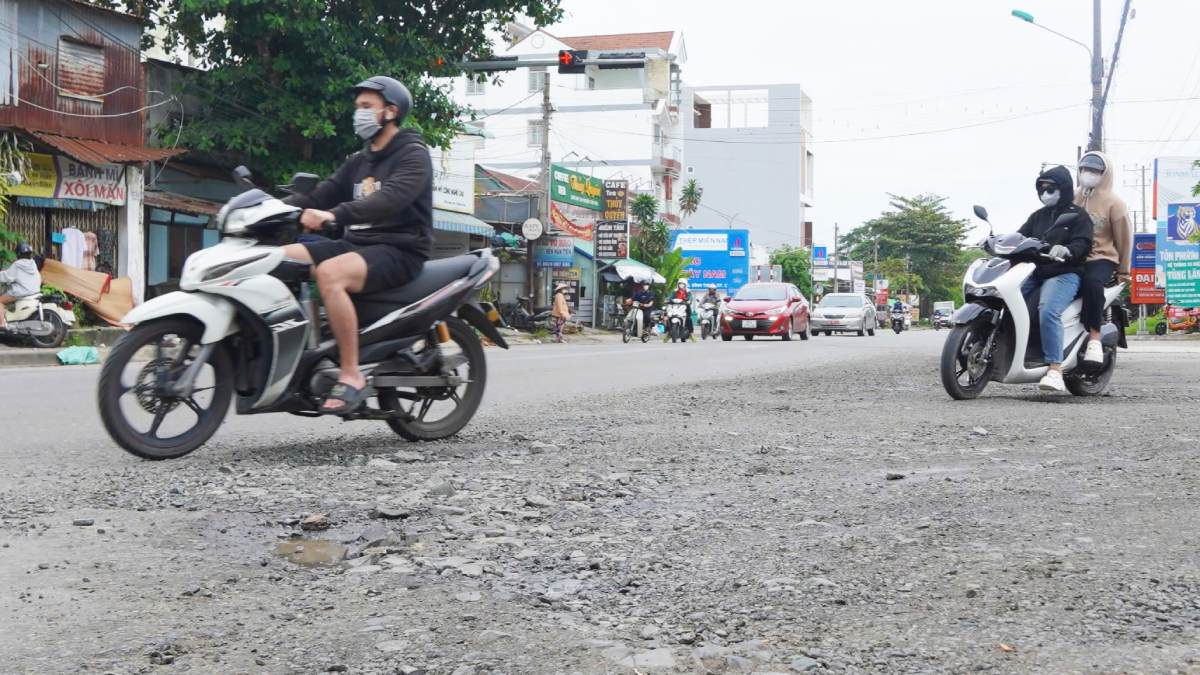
(570, 61)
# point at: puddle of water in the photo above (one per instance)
(311, 552)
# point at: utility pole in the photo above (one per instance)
(1143, 184)
(535, 289)
(875, 270)
(1096, 142)
(837, 258)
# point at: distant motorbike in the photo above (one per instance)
(941, 320)
(708, 321)
(676, 320)
(897, 320)
(633, 325)
(41, 321)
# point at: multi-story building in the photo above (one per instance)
(750, 149)
(73, 98)
(604, 121)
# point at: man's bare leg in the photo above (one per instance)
(337, 278)
(4, 300)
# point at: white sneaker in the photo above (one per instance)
(1052, 381)
(1094, 353)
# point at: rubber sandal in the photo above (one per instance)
(352, 399)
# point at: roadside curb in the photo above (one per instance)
(35, 358)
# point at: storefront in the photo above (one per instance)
(176, 227)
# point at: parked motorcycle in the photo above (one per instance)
(992, 332)
(676, 320)
(245, 327)
(522, 316)
(40, 321)
(708, 321)
(633, 324)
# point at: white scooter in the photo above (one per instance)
(676, 320)
(991, 334)
(42, 321)
(708, 321)
(244, 327)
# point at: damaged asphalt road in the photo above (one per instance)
(658, 508)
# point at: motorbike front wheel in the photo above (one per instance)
(137, 404)
(627, 334)
(962, 355)
(433, 413)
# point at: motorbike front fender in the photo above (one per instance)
(213, 311)
(970, 312)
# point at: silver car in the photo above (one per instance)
(844, 313)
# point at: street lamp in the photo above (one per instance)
(1095, 141)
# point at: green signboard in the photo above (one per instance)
(577, 189)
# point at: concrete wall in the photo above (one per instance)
(757, 174)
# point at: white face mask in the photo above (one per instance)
(1089, 179)
(366, 123)
(1050, 198)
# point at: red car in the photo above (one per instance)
(765, 309)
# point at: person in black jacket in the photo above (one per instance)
(1059, 281)
(382, 197)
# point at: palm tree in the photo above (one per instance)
(644, 209)
(689, 197)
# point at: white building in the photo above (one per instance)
(602, 123)
(750, 149)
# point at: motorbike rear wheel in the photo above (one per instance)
(175, 343)
(963, 355)
(462, 356)
(1092, 384)
(58, 331)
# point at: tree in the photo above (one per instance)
(651, 242)
(689, 197)
(1196, 190)
(644, 209)
(12, 161)
(670, 265)
(922, 230)
(279, 72)
(797, 266)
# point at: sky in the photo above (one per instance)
(980, 99)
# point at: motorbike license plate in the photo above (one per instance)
(749, 323)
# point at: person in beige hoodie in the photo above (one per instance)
(561, 311)
(1112, 243)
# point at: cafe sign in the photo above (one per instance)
(58, 177)
(616, 196)
(577, 189)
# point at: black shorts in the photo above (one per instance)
(388, 267)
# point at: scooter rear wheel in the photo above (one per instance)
(130, 389)
(1093, 384)
(58, 331)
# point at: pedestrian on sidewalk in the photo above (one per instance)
(561, 312)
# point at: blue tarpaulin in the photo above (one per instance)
(450, 221)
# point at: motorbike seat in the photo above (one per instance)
(435, 275)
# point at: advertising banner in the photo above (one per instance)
(564, 224)
(1142, 290)
(616, 199)
(820, 253)
(577, 189)
(1179, 254)
(1174, 179)
(570, 277)
(612, 239)
(715, 257)
(554, 252)
(454, 177)
(1144, 247)
(58, 177)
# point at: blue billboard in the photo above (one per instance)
(718, 258)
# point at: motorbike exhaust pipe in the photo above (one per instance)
(314, 317)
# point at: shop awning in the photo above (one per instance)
(632, 270)
(171, 201)
(99, 152)
(450, 221)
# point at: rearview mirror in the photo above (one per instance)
(980, 212)
(241, 176)
(1065, 218)
(304, 183)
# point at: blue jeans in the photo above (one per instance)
(1057, 293)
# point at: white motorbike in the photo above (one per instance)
(41, 321)
(633, 325)
(244, 326)
(991, 334)
(676, 320)
(708, 321)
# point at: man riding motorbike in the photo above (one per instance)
(711, 297)
(383, 198)
(21, 280)
(644, 297)
(1059, 281)
(681, 293)
(1112, 244)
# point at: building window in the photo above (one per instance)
(475, 87)
(533, 133)
(701, 113)
(80, 69)
(732, 109)
(667, 187)
(537, 78)
(809, 167)
(9, 43)
(658, 134)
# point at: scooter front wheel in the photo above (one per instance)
(963, 357)
(138, 406)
